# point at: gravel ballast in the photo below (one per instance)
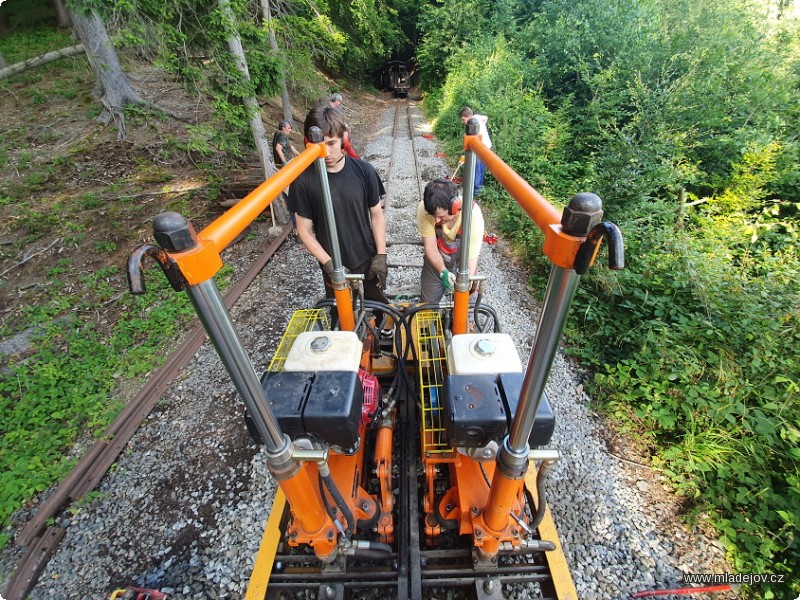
(184, 507)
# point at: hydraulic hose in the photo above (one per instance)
(476, 309)
(337, 497)
(446, 524)
(328, 506)
(537, 517)
(375, 550)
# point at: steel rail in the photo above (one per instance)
(41, 542)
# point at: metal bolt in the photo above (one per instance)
(330, 534)
(173, 232)
(488, 586)
(365, 507)
(478, 534)
(583, 212)
(329, 592)
(474, 510)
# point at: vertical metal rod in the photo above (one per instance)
(468, 188)
(561, 288)
(315, 135)
(344, 302)
(217, 321)
(327, 208)
(461, 296)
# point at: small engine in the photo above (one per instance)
(482, 391)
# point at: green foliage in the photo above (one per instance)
(493, 79)
(682, 116)
(63, 390)
(708, 363)
(29, 42)
(371, 30)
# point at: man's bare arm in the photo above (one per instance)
(432, 253)
(378, 228)
(305, 230)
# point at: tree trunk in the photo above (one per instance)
(10, 70)
(3, 63)
(266, 13)
(254, 111)
(61, 11)
(113, 88)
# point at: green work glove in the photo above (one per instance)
(378, 268)
(448, 280)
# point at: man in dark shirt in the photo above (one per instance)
(356, 190)
(282, 149)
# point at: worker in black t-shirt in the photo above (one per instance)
(356, 190)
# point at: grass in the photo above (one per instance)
(64, 390)
(89, 338)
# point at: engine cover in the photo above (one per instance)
(480, 408)
(326, 404)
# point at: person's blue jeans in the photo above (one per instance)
(480, 169)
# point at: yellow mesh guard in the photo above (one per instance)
(302, 320)
(432, 357)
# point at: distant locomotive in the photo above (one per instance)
(397, 78)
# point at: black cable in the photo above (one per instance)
(536, 517)
(485, 308)
(328, 505)
(446, 524)
(476, 309)
(370, 553)
(485, 477)
(337, 497)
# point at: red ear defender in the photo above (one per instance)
(455, 205)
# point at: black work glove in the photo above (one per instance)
(328, 268)
(378, 268)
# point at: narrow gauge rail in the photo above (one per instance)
(41, 539)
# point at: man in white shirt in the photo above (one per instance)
(466, 114)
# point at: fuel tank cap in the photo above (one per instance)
(320, 344)
(484, 347)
